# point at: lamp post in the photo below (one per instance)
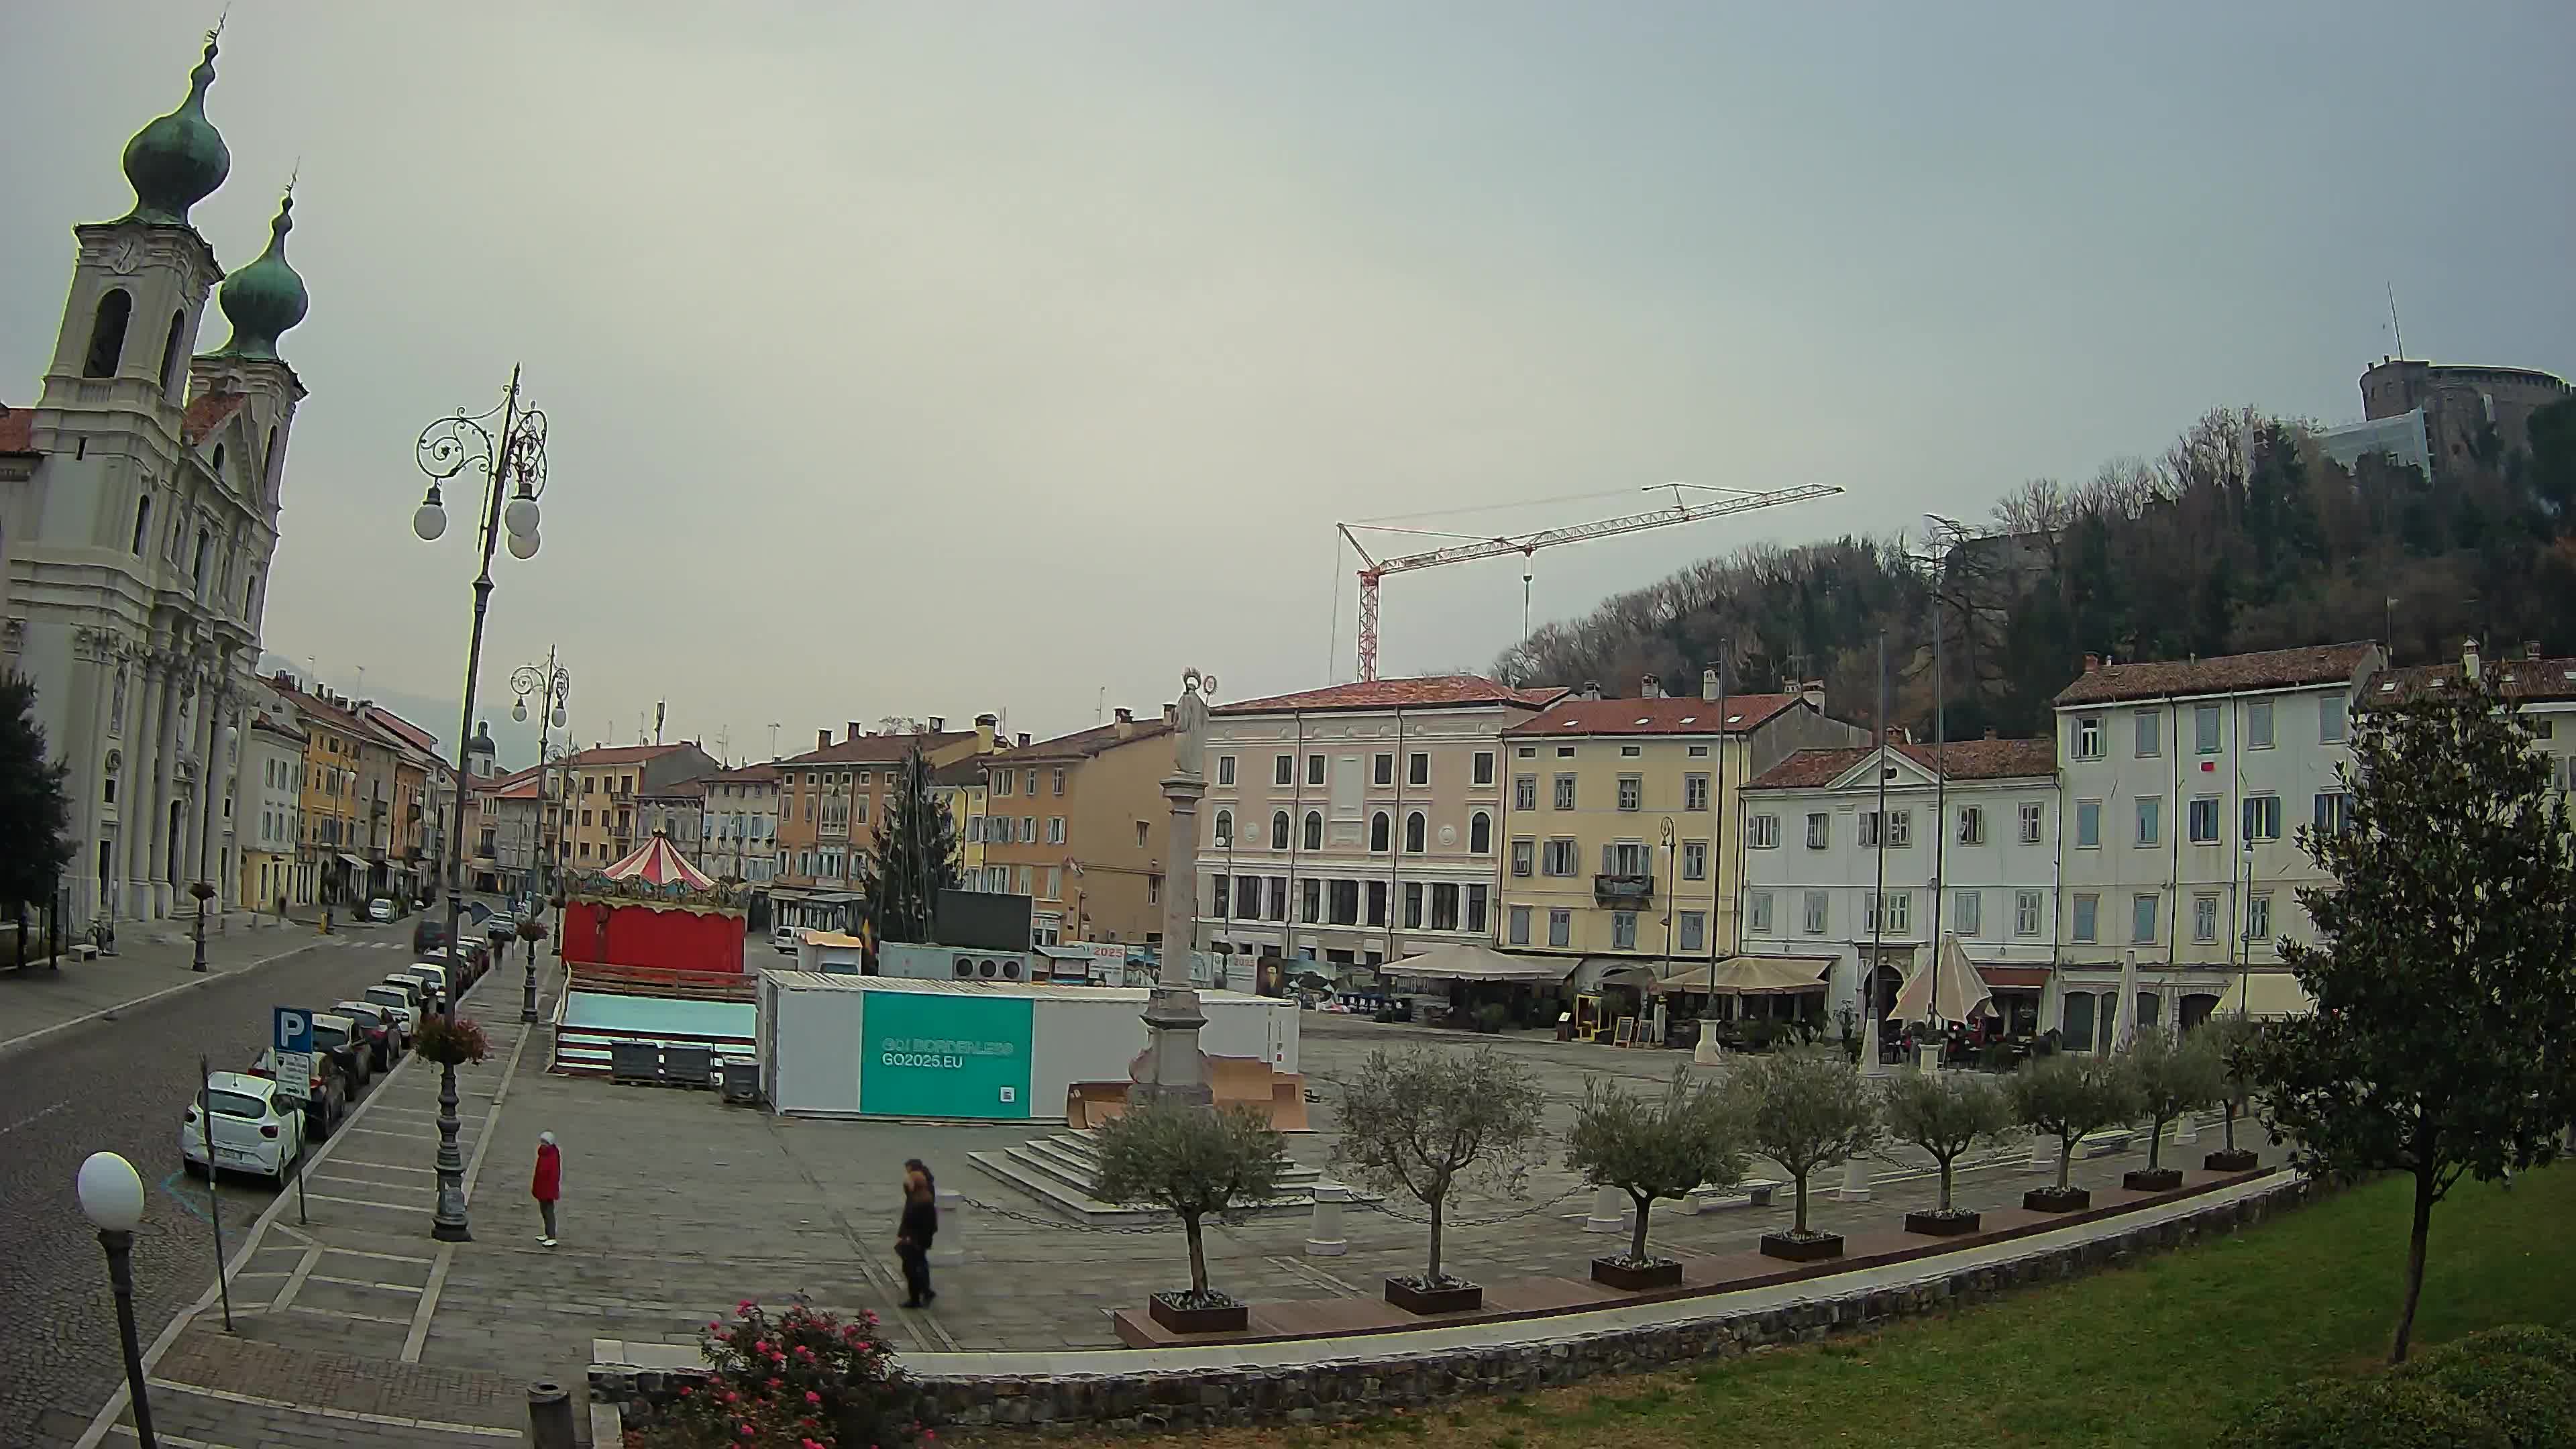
(551, 683)
(512, 463)
(111, 1197)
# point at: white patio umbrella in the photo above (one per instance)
(1962, 991)
(2124, 1021)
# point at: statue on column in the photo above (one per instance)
(1189, 722)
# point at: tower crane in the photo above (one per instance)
(1470, 547)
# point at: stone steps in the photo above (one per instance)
(1062, 1171)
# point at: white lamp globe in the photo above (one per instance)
(111, 1195)
(428, 521)
(523, 545)
(519, 711)
(560, 717)
(521, 515)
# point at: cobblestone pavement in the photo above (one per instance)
(36, 1001)
(121, 1085)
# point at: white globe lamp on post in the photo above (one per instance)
(111, 1197)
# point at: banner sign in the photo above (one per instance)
(927, 1054)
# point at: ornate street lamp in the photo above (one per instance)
(513, 465)
(111, 1197)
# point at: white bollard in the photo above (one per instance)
(1855, 1186)
(1324, 1235)
(949, 1247)
(2186, 1130)
(2043, 1154)
(1609, 1211)
(1706, 1052)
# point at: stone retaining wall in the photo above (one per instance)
(1362, 1383)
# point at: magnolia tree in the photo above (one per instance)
(2173, 1077)
(1808, 1111)
(2443, 1043)
(2070, 1094)
(1947, 1114)
(1194, 1163)
(1654, 1147)
(1429, 1121)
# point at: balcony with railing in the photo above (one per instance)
(1623, 889)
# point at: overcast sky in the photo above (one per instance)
(932, 359)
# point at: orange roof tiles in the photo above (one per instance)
(877, 749)
(1965, 759)
(207, 413)
(1692, 716)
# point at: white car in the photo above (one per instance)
(431, 975)
(403, 1003)
(252, 1131)
(786, 939)
(381, 910)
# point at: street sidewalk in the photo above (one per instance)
(36, 1001)
(334, 1288)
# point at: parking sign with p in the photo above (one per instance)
(291, 1042)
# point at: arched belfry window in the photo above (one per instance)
(219, 462)
(205, 543)
(107, 333)
(171, 353)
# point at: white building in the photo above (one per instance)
(138, 513)
(741, 830)
(1341, 824)
(269, 816)
(1969, 847)
(2183, 787)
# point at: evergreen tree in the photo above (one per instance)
(2443, 1042)
(35, 816)
(915, 857)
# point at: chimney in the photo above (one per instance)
(2530, 648)
(1990, 732)
(939, 724)
(1591, 689)
(855, 731)
(2468, 658)
(1124, 721)
(2092, 663)
(1813, 692)
(822, 739)
(1708, 685)
(1650, 687)
(1024, 739)
(985, 727)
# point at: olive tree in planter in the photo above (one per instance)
(2172, 1077)
(1809, 1112)
(1194, 1163)
(1654, 1147)
(2231, 1039)
(1947, 1114)
(2066, 1096)
(1429, 1121)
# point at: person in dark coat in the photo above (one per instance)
(920, 1223)
(547, 1185)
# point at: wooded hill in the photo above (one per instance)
(2241, 536)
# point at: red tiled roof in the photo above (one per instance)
(877, 749)
(17, 430)
(2546, 679)
(412, 734)
(1692, 716)
(747, 775)
(207, 412)
(1965, 759)
(1082, 744)
(621, 754)
(680, 787)
(1426, 692)
(2227, 673)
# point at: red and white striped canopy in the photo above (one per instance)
(656, 863)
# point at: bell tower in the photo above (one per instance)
(140, 284)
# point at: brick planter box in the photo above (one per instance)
(2162, 1179)
(1219, 1318)
(2050, 1200)
(1802, 1250)
(2240, 1160)
(1661, 1273)
(1942, 1225)
(1457, 1298)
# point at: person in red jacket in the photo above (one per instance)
(548, 1185)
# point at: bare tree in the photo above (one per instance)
(1429, 1121)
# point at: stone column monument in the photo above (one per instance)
(1172, 1068)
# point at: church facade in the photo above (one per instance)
(138, 517)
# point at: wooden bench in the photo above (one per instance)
(1752, 1192)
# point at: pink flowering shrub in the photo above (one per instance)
(798, 1378)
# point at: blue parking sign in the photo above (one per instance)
(294, 1030)
(290, 1038)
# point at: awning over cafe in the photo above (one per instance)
(2015, 978)
(1469, 962)
(1751, 976)
(354, 861)
(2266, 993)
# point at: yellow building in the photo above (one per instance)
(961, 788)
(1619, 819)
(331, 864)
(600, 786)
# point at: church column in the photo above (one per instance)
(136, 801)
(196, 854)
(98, 654)
(165, 773)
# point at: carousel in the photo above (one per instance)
(653, 909)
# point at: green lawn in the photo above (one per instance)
(2156, 1354)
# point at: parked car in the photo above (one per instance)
(381, 910)
(403, 1001)
(785, 939)
(252, 1131)
(384, 1033)
(432, 976)
(326, 1096)
(348, 1045)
